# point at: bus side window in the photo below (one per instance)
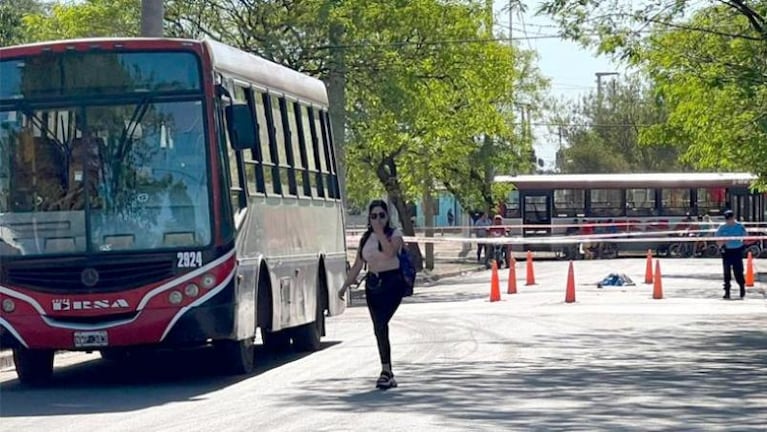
(309, 146)
(281, 145)
(291, 139)
(299, 150)
(233, 166)
(332, 177)
(272, 142)
(254, 168)
(319, 153)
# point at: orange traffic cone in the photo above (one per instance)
(570, 293)
(750, 270)
(657, 289)
(530, 270)
(512, 276)
(495, 288)
(648, 279)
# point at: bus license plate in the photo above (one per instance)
(91, 339)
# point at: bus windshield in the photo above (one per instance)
(90, 178)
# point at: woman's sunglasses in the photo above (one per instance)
(375, 216)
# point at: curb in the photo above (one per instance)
(436, 277)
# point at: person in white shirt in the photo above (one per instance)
(384, 283)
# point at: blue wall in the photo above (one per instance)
(446, 202)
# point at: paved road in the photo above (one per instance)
(615, 360)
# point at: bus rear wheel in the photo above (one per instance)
(33, 367)
(238, 356)
(307, 337)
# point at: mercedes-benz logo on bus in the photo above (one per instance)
(89, 277)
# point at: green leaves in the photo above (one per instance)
(707, 69)
(622, 131)
(89, 18)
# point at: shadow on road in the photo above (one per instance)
(100, 386)
(424, 296)
(696, 379)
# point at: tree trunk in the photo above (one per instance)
(152, 13)
(387, 174)
(337, 97)
(428, 215)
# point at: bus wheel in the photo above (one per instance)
(711, 251)
(307, 337)
(754, 249)
(238, 356)
(33, 367)
(115, 355)
(276, 342)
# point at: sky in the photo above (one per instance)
(570, 69)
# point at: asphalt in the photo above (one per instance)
(616, 359)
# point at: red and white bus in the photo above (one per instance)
(163, 193)
(559, 204)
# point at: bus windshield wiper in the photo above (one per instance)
(130, 128)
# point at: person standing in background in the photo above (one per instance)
(732, 252)
(480, 228)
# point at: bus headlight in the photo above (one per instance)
(175, 297)
(192, 290)
(9, 306)
(208, 281)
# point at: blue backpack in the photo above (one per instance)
(408, 270)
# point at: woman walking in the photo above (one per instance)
(384, 285)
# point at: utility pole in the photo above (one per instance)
(152, 13)
(336, 85)
(599, 82)
(511, 21)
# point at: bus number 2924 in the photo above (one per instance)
(189, 259)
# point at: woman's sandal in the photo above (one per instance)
(386, 381)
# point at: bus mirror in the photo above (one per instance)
(241, 126)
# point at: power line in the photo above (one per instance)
(442, 42)
(585, 125)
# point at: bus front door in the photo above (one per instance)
(536, 218)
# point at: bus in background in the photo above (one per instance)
(605, 203)
(163, 193)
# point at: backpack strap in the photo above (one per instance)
(363, 240)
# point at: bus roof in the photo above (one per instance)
(271, 75)
(247, 66)
(639, 180)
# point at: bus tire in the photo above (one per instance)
(274, 342)
(307, 337)
(711, 251)
(33, 367)
(115, 355)
(238, 356)
(754, 249)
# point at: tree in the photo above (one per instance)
(706, 61)
(717, 90)
(12, 13)
(426, 115)
(89, 18)
(422, 81)
(608, 133)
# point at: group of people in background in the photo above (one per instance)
(731, 250)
